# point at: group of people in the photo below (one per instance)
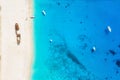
(18, 35)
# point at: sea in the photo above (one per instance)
(76, 40)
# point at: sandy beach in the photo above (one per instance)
(16, 60)
(0, 39)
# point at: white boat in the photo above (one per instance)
(43, 12)
(109, 29)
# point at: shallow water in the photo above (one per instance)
(64, 38)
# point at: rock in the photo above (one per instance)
(118, 63)
(112, 52)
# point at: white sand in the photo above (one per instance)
(16, 60)
(0, 40)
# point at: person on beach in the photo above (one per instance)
(18, 35)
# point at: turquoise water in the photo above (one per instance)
(65, 36)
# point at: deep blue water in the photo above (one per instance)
(75, 26)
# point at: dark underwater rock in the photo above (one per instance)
(85, 45)
(62, 64)
(81, 22)
(117, 72)
(119, 46)
(58, 3)
(67, 5)
(118, 63)
(82, 37)
(112, 52)
(106, 78)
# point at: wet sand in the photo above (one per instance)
(16, 60)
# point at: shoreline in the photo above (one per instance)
(31, 13)
(17, 60)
